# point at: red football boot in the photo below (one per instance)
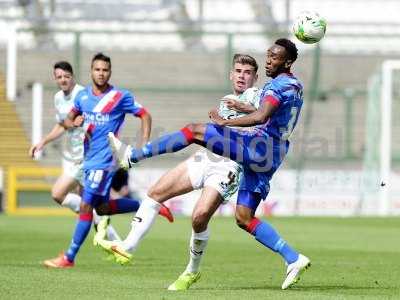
(166, 213)
(60, 262)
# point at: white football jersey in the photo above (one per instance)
(250, 96)
(73, 141)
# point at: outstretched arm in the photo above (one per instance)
(54, 134)
(260, 116)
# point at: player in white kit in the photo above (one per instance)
(216, 175)
(67, 188)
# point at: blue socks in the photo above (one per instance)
(123, 205)
(169, 143)
(269, 237)
(81, 231)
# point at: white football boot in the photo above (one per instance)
(121, 151)
(294, 271)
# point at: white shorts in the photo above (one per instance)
(73, 169)
(208, 169)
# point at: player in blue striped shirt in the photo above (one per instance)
(102, 108)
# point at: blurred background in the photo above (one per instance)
(175, 56)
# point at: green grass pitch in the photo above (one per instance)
(352, 258)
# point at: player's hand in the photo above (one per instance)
(215, 117)
(78, 121)
(234, 104)
(34, 149)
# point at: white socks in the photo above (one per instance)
(141, 223)
(72, 201)
(112, 235)
(198, 243)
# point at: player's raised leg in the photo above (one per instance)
(218, 139)
(169, 143)
(205, 207)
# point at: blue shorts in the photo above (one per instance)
(249, 199)
(96, 186)
(260, 155)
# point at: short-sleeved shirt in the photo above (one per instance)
(103, 114)
(73, 141)
(286, 92)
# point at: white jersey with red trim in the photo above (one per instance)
(103, 114)
(73, 141)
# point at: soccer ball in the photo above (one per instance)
(309, 27)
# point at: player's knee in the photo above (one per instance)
(191, 127)
(100, 211)
(240, 223)
(242, 219)
(85, 208)
(155, 193)
(197, 129)
(58, 197)
(103, 209)
(200, 221)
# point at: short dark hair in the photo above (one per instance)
(290, 48)
(103, 57)
(245, 59)
(63, 65)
